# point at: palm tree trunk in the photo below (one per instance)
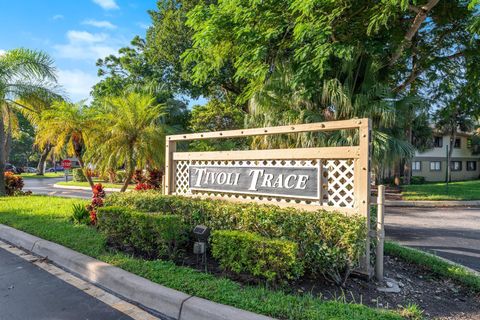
(85, 172)
(43, 160)
(2, 155)
(130, 170)
(453, 136)
(407, 169)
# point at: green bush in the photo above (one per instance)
(78, 175)
(80, 214)
(150, 234)
(329, 243)
(274, 260)
(417, 180)
(120, 176)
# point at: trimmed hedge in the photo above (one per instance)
(78, 175)
(246, 252)
(150, 234)
(329, 243)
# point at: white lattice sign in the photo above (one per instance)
(335, 178)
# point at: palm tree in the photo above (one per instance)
(283, 101)
(22, 72)
(66, 126)
(129, 131)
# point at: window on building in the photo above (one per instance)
(416, 166)
(438, 142)
(456, 165)
(469, 143)
(435, 165)
(457, 143)
(471, 165)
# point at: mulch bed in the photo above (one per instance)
(439, 298)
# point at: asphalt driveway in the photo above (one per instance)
(452, 233)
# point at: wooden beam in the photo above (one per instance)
(308, 127)
(273, 154)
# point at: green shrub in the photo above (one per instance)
(120, 176)
(150, 234)
(274, 260)
(417, 180)
(329, 243)
(80, 214)
(78, 175)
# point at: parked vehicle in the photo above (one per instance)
(57, 168)
(11, 168)
(30, 169)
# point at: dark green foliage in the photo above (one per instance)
(80, 214)
(244, 252)
(78, 175)
(417, 180)
(329, 243)
(150, 234)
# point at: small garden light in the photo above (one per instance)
(201, 233)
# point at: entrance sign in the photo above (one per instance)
(329, 178)
(293, 182)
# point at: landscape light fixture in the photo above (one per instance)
(201, 233)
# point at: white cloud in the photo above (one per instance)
(58, 17)
(77, 83)
(143, 25)
(107, 4)
(100, 24)
(83, 45)
(2, 52)
(84, 36)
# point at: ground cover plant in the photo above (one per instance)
(45, 175)
(457, 190)
(49, 218)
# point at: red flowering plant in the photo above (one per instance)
(152, 180)
(13, 183)
(97, 201)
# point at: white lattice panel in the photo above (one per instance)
(337, 180)
(338, 183)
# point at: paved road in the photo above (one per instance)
(45, 186)
(452, 233)
(28, 292)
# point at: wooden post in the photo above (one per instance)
(380, 232)
(363, 196)
(169, 185)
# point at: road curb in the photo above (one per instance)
(432, 204)
(59, 186)
(169, 302)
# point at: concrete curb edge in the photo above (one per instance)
(60, 186)
(432, 204)
(166, 301)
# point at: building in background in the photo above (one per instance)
(432, 164)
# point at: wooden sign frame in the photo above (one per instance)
(360, 155)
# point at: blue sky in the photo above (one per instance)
(74, 33)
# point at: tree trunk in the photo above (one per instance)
(407, 169)
(82, 166)
(8, 143)
(453, 136)
(2, 155)
(43, 160)
(130, 170)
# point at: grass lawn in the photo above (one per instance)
(85, 184)
(46, 175)
(48, 218)
(458, 190)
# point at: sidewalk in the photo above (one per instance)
(429, 204)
